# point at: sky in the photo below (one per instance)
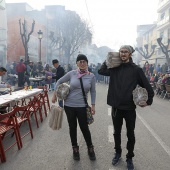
(113, 22)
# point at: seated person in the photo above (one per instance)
(12, 75)
(3, 85)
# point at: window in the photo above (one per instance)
(2, 34)
(162, 16)
(159, 51)
(161, 34)
(169, 33)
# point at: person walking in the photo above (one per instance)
(59, 73)
(74, 104)
(123, 80)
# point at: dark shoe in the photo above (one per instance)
(116, 159)
(76, 155)
(130, 165)
(91, 153)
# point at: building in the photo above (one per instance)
(148, 34)
(3, 33)
(147, 38)
(163, 27)
(25, 13)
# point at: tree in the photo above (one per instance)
(56, 43)
(145, 53)
(25, 36)
(164, 49)
(72, 33)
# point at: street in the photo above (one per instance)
(52, 149)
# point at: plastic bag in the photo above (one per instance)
(63, 91)
(140, 95)
(113, 60)
(56, 117)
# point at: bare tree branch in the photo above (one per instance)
(25, 39)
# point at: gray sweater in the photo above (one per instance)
(75, 97)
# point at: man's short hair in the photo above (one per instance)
(3, 69)
(55, 61)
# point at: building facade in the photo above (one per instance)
(25, 13)
(148, 34)
(163, 27)
(3, 34)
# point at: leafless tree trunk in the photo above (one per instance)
(145, 53)
(25, 36)
(164, 49)
(57, 42)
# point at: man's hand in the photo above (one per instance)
(143, 104)
(8, 86)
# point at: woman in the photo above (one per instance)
(74, 105)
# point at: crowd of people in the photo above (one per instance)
(19, 73)
(158, 74)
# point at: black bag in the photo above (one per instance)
(90, 118)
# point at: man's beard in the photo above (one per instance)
(125, 61)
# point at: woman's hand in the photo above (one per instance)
(54, 98)
(93, 109)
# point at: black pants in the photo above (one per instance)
(74, 113)
(130, 119)
(21, 79)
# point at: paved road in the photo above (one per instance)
(51, 149)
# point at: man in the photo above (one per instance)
(39, 69)
(59, 73)
(158, 69)
(32, 69)
(123, 80)
(69, 68)
(3, 72)
(20, 69)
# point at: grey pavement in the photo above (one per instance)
(52, 149)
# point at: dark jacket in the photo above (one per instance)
(123, 80)
(59, 73)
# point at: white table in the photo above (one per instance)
(18, 95)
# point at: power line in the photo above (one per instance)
(89, 15)
(98, 41)
(14, 46)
